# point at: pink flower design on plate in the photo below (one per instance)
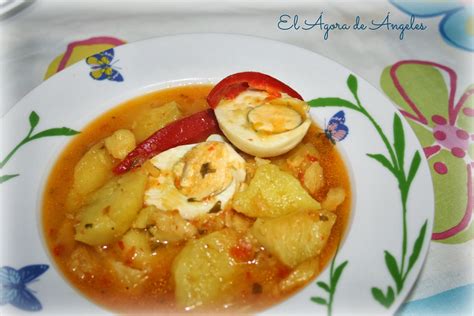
(426, 95)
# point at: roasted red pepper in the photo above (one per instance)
(197, 127)
(189, 130)
(231, 86)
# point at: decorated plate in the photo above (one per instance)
(380, 251)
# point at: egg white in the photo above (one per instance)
(163, 193)
(233, 121)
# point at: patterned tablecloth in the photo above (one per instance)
(427, 71)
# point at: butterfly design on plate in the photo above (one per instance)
(13, 286)
(102, 66)
(336, 130)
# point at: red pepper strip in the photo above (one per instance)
(231, 86)
(189, 130)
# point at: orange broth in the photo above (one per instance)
(157, 293)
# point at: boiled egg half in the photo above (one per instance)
(263, 126)
(196, 179)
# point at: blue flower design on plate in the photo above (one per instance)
(13, 288)
(457, 25)
(102, 66)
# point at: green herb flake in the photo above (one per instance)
(257, 288)
(206, 168)
(216, 208)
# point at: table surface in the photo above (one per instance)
(32, 39)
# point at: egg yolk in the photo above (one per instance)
(203, 171)
(274, 119)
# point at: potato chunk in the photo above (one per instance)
(303, 164)
(155, 119)
(93, 170)
(120, 143)
(109, 212)
(83, 263)
(237, 221)
(204, 269)
(300, 275)
(295, 237)
(65, 238)
(300, 158)
(136, 250)
(313, 178)
(334, 198)
(129, 277)
(272, 193)
(165, 226)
